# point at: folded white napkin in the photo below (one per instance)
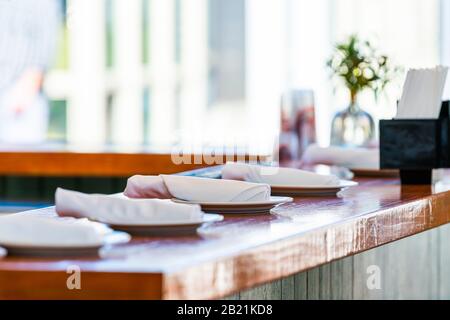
(147, 187)
(352, 158)
(276, 176)
(422, 94)
(122, 210)
(26, 229)
(196, 189)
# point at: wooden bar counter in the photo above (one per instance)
(61, 160)
(245, 251)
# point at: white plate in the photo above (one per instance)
(72, 250)
(312, 190)
(172, 228)
(239, 207)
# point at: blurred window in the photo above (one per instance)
(211, 70)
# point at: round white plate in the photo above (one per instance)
(71, 250)
(239, 207)
(172, 228)
(312, 190)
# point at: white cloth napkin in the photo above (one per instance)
(196, 189)
(276, 176)
(422, 94)
(26, 229)
(122, 210)
(352, 158)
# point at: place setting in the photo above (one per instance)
(24, 234)
(139, 217)
(287, 181)
(212, 195)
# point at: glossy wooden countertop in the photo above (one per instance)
(101, 161)
(242, 251)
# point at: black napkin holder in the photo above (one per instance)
(416, 146)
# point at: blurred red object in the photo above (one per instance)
(298, 129)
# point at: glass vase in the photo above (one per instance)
(352, 127)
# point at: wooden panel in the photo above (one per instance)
(89, 185)
(53, 285)
(245, 252)
(409, 269)
(270, 291)
(120, 183)
(361, 265)
(404, 275)
(301, 286)
(444, 262)
(414, 274)
(97, 185)
(284, 289)
(99, 164)
(23, 188)
(87, 164)
(2, 187)
(433, 266)
(313, 284)
(43, 189)
(49, 185)
(288, 288)
(342, 279)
